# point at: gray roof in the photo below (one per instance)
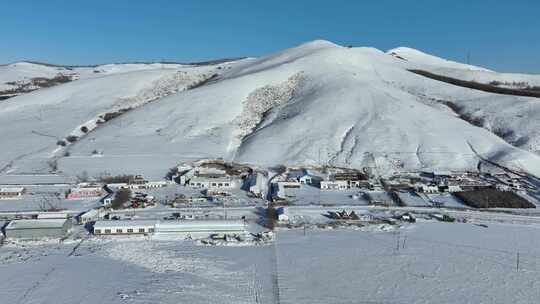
(36, 224)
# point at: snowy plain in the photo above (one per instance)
(441, 262)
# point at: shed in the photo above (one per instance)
(38, 229)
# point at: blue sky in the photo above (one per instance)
(502, 36)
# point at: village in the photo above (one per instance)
(214, 199)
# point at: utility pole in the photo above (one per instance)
(404, 240)
(397, 243)
(517, 261)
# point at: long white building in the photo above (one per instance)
(200, 229)
(181, 229)
(124, 227)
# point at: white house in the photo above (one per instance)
(454, 188)
(427, 188)
(309, 179)
(305, 179)
(107, 199)
(334, 185)
(11, 193)
(214, 183)
(282, 214)
(184, 179)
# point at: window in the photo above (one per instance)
(130, 230)
(151, 230)
(213, 184)
(107, 230)
(226, 184)
(118, 230)
(141, 230)
(97, 231)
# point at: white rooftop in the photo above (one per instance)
(210, 179)
(36, 224)
(15, 189)
(125, 223)
(201, 224)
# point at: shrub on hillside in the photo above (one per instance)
(72, 138)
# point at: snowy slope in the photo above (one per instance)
(515, 119)
(314, 104)
(23, 77)
(419, 57)
(24, 71)
(437, 65)
(108, 69)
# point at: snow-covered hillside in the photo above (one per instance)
(22, 71)
(418, 59)
(23, 77)
(513, 118)
(318, 103)
(38, 127)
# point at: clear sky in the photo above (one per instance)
(502, 35)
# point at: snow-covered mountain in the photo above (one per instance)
(318, 103)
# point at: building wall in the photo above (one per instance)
(10, 195)
(111, 230)
(84, 194)
(334, 185)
